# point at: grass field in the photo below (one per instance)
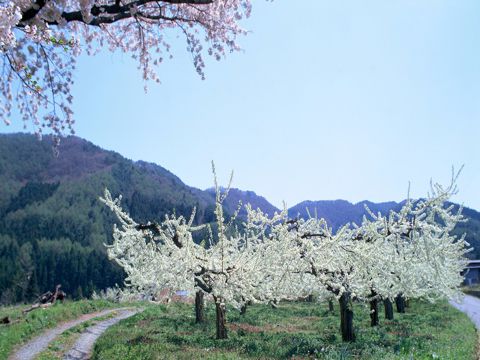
(294, 330)
(26, 327)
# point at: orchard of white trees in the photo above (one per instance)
(403, 255)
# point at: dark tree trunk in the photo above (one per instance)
(310, 298)
(273, 304)
(221, 319)
(346, 318)
(388, 309)
(330, 305)
(374, 311)
(199, 307)
(400, 302)
(243, 309)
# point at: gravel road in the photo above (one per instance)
(38, 344)
(84, 345)
(470, 305)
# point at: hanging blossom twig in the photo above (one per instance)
(40, 41)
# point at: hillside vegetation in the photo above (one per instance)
(52, 226)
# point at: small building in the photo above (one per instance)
(472, 273)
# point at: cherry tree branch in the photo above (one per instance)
(118, 11)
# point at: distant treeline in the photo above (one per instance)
(37, 266)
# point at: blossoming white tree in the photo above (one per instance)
(234, 266)
(424, 259)
(408, 254)
(154, 255)
(40, 41)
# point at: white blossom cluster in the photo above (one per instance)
(9, 17)
(410, 252)
(40, 41)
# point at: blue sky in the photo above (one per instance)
(328, 100)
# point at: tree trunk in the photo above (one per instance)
(388, 309)
(346, 318)
(273, 304)
(221, 319)
(374, 312)
(330, 305)
(310, 298)
(199, 307)
(243, 309)
(400, 302)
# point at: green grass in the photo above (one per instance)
(294, 330)
(40, 319)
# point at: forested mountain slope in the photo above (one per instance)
(236, 197)
(339, 212)
(52, 226)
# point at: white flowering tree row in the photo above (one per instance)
(40, 41)
(406, 254)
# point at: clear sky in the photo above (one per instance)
(328, 100)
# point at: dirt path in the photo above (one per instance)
(84, 345)
(470, 305)
(38, 344)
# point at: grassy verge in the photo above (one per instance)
(26, 327)
(294, 330)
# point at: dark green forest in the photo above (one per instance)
(53, 228)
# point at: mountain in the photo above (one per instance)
(53, 228)
(472, 230)
(339, 212)
(237, 196)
